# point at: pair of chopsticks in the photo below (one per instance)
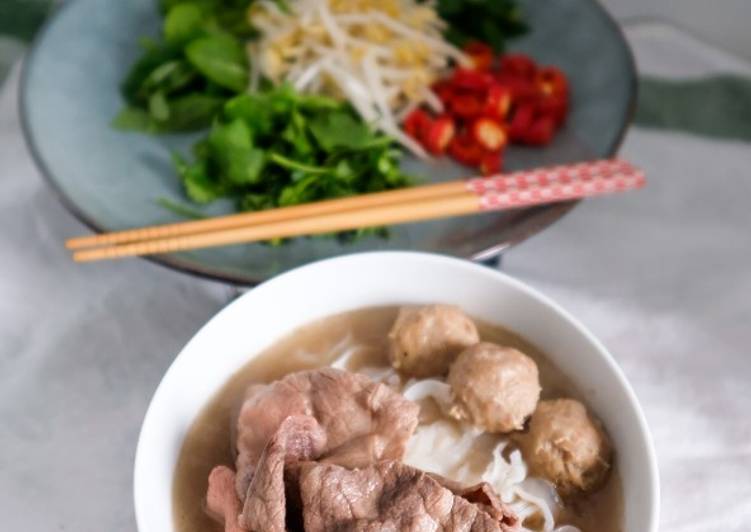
(443, 200)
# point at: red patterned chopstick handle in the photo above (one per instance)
(553, 184)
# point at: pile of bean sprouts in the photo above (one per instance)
(380, 55)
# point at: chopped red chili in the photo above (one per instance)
(466, 150)
(489, 133)
(540, 132)
(467, 79)
(492, 103)
(498, 102)
(491, 163)
(519, 65)
(438, 135)
(481, 55)
(416, 122)
(466, 105)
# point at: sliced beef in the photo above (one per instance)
(386, 496)
(266, 502)
(221, 499)
(485, 497)
(364, 421)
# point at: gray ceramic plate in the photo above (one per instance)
(111, 180)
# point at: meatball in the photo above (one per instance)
(566, 446)
(494, 387)
(425, 340)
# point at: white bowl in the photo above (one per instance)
(263, 315)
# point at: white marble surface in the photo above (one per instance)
(662, 276)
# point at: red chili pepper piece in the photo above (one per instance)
(480, 53)
(555, 106)
(473, 80)
(416, 123)
(551, 80)
(466, 150)
(444, 90)
(466, 105)
(521, 121)
(541, 132)
(489, 133)
(491, 163)
(438, 135)
(498, 102)
(521, 89)
(520, 65)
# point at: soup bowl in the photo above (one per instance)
(264, 315)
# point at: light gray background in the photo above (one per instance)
(721, 22)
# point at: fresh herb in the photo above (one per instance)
(181, 81)
(221, 59)
(180, 209)
(489, 21)
(279, 148)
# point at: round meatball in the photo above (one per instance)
(494, 387)
(566, 446)
(425, 340)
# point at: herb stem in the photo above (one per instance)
(291, 164)
(180, 209)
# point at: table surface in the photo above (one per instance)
(662, 276)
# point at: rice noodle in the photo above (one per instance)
(381, 55)
(442, 448)
(342, 352)
(345, 350)
(439, 391)
(449, 449)
(527, 504)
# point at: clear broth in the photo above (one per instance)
(209, 440)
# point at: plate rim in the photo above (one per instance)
(175, 263)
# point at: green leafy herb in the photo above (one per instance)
(489, 21)
(182, 79)
(180, 209)
(183, 22)
(135, 119)
(231, 148)
(192, 111)
(184, 113)
(221, 58)
(158, 107)
(340, 130)
(279, 148)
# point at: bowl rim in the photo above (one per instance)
(532, 220)
(425, 259)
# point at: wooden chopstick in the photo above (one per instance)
(292, 213)
(325, 223)
(268, 216)
(525, 188)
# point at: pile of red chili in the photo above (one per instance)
(500, 100)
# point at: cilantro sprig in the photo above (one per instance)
(278, 148)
